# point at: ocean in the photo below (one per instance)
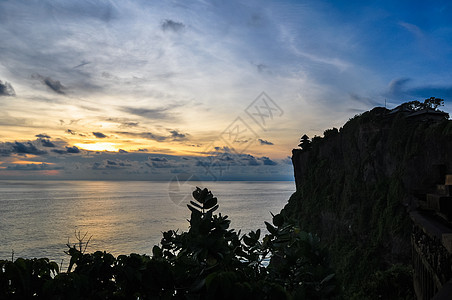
(38, 218)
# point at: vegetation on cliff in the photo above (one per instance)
(356, 184)
(210, 261)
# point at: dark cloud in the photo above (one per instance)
(47, 143)
(144, 135)
(399, 90)
(177, 136)
(99, 135)
(42, 135)
(59, 151)
(108, 164)
(54, 85)
(267, 161)
(252, 161)
(124, 123)
(160, 159)
(156, 113)
(26, 148)
(73, 149)
(71, 132)
(83, 63)
(170, 25)
(33, 167)
(264, 142)
(122, 151)
(6, 89)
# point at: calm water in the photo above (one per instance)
(38, 217)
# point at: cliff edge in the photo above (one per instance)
(356, 185)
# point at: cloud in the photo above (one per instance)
(83, 63)
(174, 135)
(47, 143)
(264, 142)
(412, 28)
(73, 149)
(6, 89)
(267, 161)
(170, 25)
(144, 135)
(124, 123)
(160, 159)
(33, 167)
(59, 151)
(99, 135)
(177, 136)
(157, 113)
(71, 132)
(108, 164)
(42, 135)
(398, 88)
(26, 148)
(54, 85)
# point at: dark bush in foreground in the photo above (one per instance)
(210, 261)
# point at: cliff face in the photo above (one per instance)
(355, 186)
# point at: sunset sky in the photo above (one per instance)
(223, 90)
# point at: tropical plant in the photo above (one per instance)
(209, 261)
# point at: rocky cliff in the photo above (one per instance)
(354, 189)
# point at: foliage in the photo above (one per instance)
(210, 261)
(430, 103)
(354, 189)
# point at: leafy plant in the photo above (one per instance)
(209, 261)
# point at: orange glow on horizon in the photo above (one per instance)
(29, 162)
(99, 147)
(50, 172)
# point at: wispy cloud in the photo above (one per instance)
(264, 142)
(413, 29)
(54, 85)
(155, 113)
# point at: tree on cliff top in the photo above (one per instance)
(430, 103)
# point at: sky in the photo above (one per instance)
(206, 90)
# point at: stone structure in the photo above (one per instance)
(431, 242)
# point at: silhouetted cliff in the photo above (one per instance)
(355, 186)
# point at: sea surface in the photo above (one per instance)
(38, 218)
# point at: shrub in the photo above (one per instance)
(210, 261)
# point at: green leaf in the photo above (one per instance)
(214, 209)
(210, 203)
(270, 228)
(278, 220)
(156, 251)
(196, 204)
(193, 209)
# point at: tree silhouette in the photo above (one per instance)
(433, 102)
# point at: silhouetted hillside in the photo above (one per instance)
(355, 186)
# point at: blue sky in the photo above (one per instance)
(145, 80)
